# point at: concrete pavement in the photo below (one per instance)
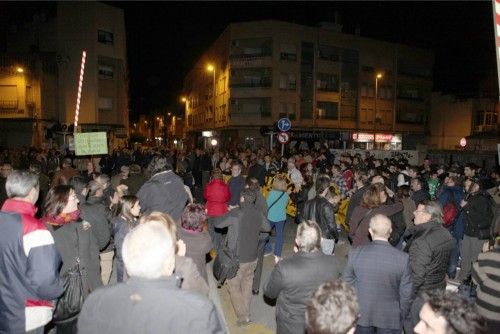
(262, 312)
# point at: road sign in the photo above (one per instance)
(284, 124)
(283, 138)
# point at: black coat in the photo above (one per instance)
(478, 214)
(322, 212)
(244, 226)
(164, 192)
(95, 212)
(76, 239)
(293, 281)
(429, 248)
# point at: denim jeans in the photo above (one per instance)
(280, 227)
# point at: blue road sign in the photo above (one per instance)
(284, 124)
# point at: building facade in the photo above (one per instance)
(474, 119)
(323, 80)
(60, 38)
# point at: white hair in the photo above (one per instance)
(147, 249)
(20, 183)
(380, 226)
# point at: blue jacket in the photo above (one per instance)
(277, 212)
(458, 194)
(29, 269)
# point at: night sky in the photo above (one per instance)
(164, 39)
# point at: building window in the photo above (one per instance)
(410, 115)
(106, 72)
(288, 110)
(407, 92)
(251, 77)
(250, 107)
(409, 68)
(327, 110)
(105, 37)
(288, 81)
(105, 104)
(327, 82)
(330, 53)
(288, 52)
(255, 47)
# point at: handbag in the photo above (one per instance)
(69, 305)
(226, 263)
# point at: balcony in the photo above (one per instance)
(9, 105)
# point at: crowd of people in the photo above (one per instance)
(155, 217)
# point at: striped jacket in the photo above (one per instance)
(29, 269)
(486, 273)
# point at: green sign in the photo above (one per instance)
(91, 143)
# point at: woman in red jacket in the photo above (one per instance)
(216, 195)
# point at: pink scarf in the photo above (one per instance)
(62, 218)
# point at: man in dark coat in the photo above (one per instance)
(236, 184)
(135, 180)
(381, 275)
(257, 171)
(321, 211)
(294, 279)
(164, 191)
(151, 301)
(244, 225)
(419, 192)
(429, 248)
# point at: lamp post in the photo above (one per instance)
(377, 77)
(211, 68)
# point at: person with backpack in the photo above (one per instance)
(450, 198)
(478, 215)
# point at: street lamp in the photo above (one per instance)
(377, 78)
(20, 70)
(211, 68)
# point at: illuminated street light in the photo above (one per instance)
(213, 142)
(169, 113)
(175, 142)
(377, 78)
(211, 68)
(183, 99)
(20, 70)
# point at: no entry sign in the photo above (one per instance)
(283, 137)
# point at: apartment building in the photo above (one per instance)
(474, 119)
(60, 37)
(323, 80)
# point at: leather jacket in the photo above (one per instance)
(322, 212)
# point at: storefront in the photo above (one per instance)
(377, 141)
